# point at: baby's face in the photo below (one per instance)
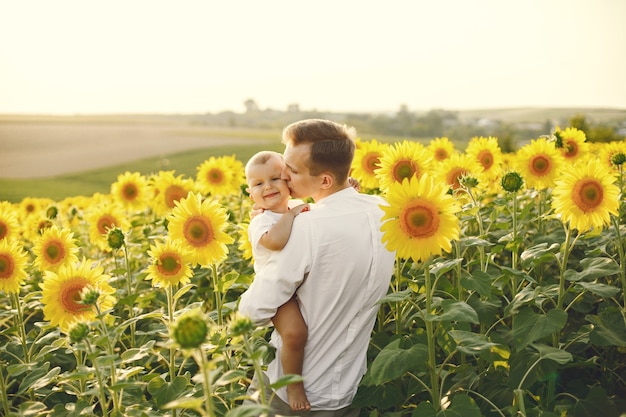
(266, 187)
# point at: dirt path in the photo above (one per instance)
(37, 150)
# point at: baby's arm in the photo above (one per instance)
(277, 236)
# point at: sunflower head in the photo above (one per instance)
(200, 226)
(403, 160)
(63, 292)
(171, 264)
(366, 160)
(54, 248)
(420, 219)
(585, 196)
(13, 263)
(539, 163)
(130, 190)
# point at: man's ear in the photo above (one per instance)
(327, 181)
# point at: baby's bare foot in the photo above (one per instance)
(297, 397)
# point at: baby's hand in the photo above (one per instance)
(256, 210)
(300, 209)
(354, 183)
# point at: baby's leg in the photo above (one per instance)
(292, 329)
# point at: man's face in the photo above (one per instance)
(296, 172)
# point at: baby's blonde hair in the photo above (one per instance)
(260, 158)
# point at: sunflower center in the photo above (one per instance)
(404, 168)
(441, 154)
(419, 219)
(7, 266)
(587, 194)
(106, 222)
(540, 165)
(215, 176)
(571, 149)
(173, 194)
(54, 252)
(169, 265)
(70, 296)
(4, 230)
(130, 191)
(198, 231)
(454, 177)
(485, 158)
(371, 162)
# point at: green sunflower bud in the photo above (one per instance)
(190, 330)
(78, 332)
(240, 325)
(115, 238)
(52, 212)
(618, 159)
(468, 181)
(512, 182)
(89, 296)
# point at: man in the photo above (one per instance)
(335, 263)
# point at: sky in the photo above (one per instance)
(193, 56)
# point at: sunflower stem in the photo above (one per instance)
(396, 308)
(101, 391)
(620, 244)
(206, 382)
(170, 316)
(15, 297)
(430, 334)
(3, 392)
(131, 311)
(110, 352)
(218, 295)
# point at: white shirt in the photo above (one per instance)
(339, 245)
(258, 226)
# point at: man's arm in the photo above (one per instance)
(277, 236)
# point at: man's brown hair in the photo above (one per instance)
(332, 145)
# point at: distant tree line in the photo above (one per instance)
(420, 125)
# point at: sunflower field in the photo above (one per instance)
(508, 296)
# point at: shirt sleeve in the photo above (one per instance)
(283, 273)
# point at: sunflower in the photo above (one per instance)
(170, 264)
(458, 165)
(61, 294)
(54, 248)
(13, 263)
(487, 152)
(200, 227)
(420, 219)
(30, 206)
(585, 196)
(245, 246)
(9, 225)
(131, 191)
(168, 189)
(539, 163)
(606, 151)
(366, 160)
(441, 148)
(403, 160)
(572, 143)
(102, 217)
(220, 176)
